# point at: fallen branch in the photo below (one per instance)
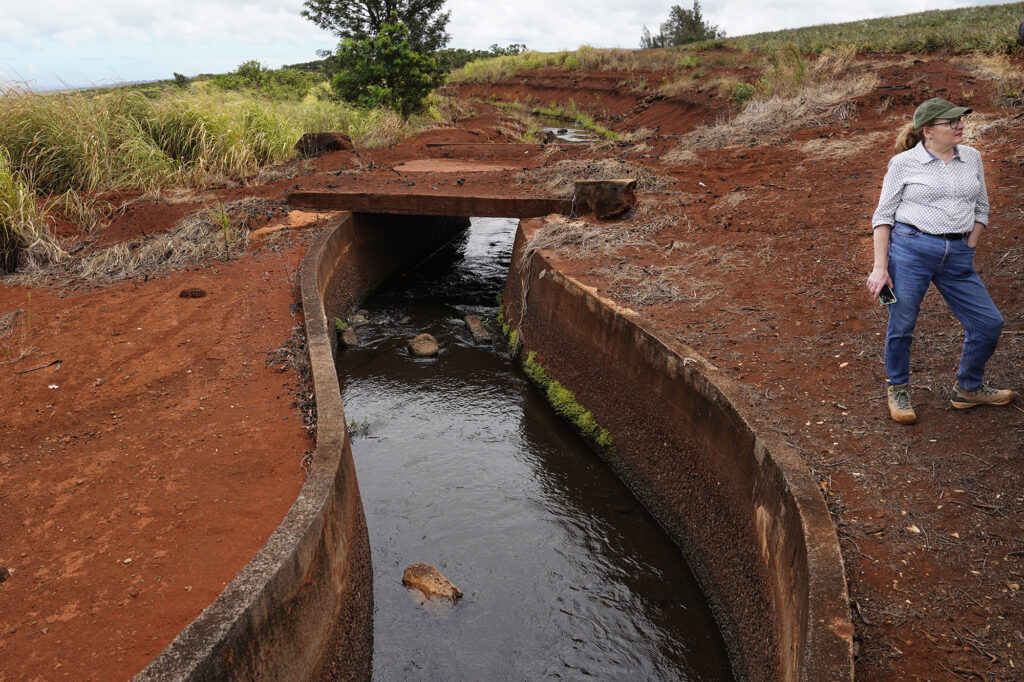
(55, 362)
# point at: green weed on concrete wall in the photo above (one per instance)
(565, 403)
(562, 399)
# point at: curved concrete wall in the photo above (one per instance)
(743, 506)
(302, 607)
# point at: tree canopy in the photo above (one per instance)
(683, 26)
(385, 70)
(362, 19)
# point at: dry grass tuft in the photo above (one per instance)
(85, 211)
(26, 242)
(560, 179)
(680, 82)
(675, 281)
(221, 232)
(517, 124)
(680, 157)
(638, 135)
(450, 108)
(730, 200)
(816, 105)
(578, 239)
(1008, 79)
(9, 321)
(836, 61)
(842, 148)
(993, 130)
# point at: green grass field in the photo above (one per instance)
(990, 29)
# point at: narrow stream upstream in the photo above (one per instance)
(463, 465)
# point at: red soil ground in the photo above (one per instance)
(189, 451)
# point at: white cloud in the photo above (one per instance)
(187, 21)
(144, 39)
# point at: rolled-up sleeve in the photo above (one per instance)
(981, 207)
(892, 193)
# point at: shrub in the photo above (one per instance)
(741, 92)
(251, 72)
(280, 84)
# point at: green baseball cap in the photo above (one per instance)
(935, 108)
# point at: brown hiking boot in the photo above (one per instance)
(962, 399)
(899, 403)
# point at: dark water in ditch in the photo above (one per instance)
(463, 465)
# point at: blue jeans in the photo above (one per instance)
(917, 259)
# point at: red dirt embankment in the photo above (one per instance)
(189, 452)
(761, 267)
(142, 473)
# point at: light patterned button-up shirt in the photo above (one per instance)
(935, 197)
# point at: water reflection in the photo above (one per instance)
(462, 465)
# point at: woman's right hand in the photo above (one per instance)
(878, 278)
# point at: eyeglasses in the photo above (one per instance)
(952, 123)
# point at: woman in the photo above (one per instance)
(933, 209)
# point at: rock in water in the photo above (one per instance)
(349, 338)
(423, 346)
(430, 582)
(477, 329)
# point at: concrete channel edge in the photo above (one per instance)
(304, 600)
(740, 502)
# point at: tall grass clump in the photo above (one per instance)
(85, 142)
(25, 238)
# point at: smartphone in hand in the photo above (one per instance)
(886, 295)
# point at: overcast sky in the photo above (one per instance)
(107, 41)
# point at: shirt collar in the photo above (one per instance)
(925, 156)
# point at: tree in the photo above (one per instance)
(385, 70)
(683, 26)
(361, 19)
